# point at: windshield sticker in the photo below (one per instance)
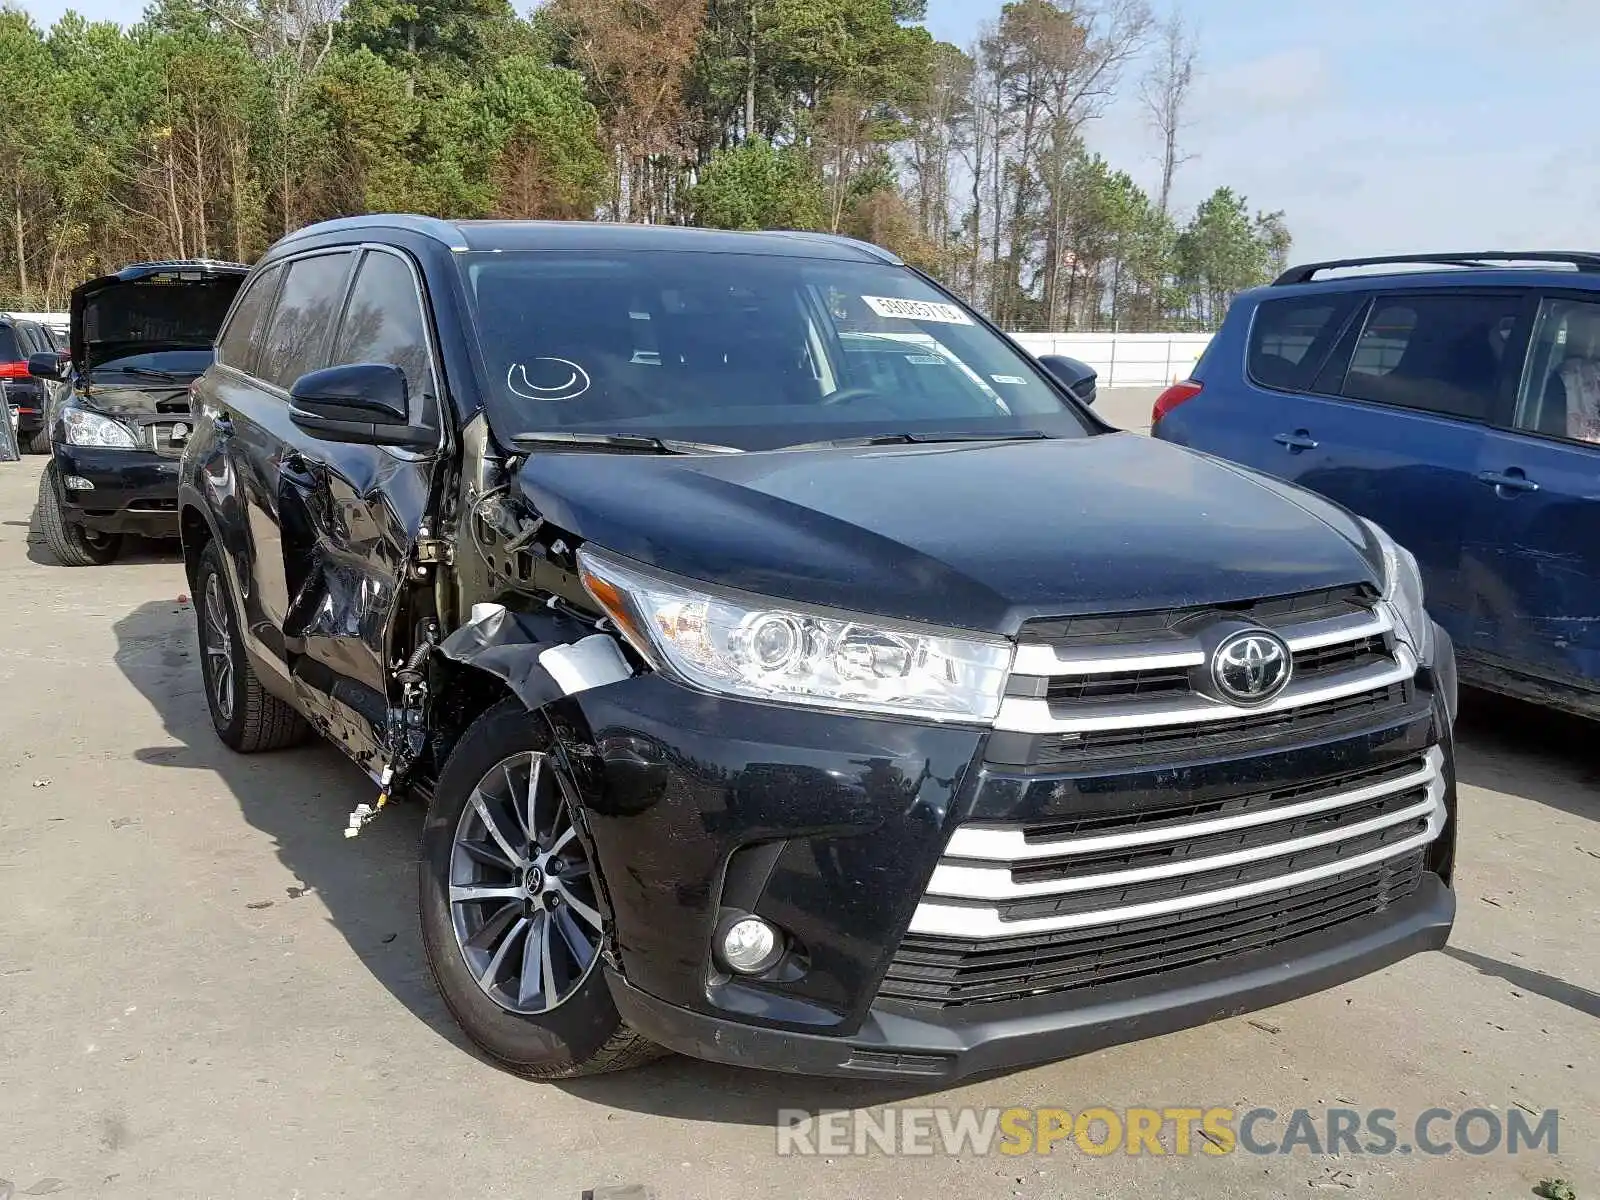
(573, 380)
(916, 310)
(1016, 380)
(925, 360)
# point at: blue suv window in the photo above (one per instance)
(1438, 354)
(1290, 338)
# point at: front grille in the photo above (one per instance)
(946, 972)
(1124, 747)
(158, 436)
(1000, 881)
(1140, 627)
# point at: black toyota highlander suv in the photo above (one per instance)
(138, 339)
(796, 674)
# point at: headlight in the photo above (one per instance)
(1402, 593)
(769, 650)
(85, 428)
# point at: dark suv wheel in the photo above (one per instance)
(247, 717)
(73, 545)
(510, 912)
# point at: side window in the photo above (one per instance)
(308, 305)
(1560, 394)
(1290, 338)
(1439, 354)
(383, 323)
(243, 333)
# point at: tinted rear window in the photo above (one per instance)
(9, 351)
(1439, 354)
(169, 310)
(1290, 338)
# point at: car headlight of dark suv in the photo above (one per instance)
(771, 650)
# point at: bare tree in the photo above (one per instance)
(1164, 91)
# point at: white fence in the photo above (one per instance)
(1125, 359)
(1122, 359)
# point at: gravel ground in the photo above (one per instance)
(206, 991)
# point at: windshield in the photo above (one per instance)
(169, 362)
(758, 350)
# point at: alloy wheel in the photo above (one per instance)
(522, 895)
(217, 643)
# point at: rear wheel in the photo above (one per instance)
(510, 909)
(246, 716)
(73, 545)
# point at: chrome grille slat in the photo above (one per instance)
(967, 901)
(1035, 658)
(1020, 714)
(1012, 845)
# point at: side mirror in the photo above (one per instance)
(361, 403)
(44, 366)
(1079, 378)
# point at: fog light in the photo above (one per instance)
(77, 483)
(751, 946)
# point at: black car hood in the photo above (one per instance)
(141, 310)
(973, 536)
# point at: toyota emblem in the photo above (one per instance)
(1251, 667)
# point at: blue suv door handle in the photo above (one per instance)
(1513, 480)
(1297, 441)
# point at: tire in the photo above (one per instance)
(40, 442)
(246, 716)
(73, 545)
(569, 1027)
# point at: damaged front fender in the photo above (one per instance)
(540, 656)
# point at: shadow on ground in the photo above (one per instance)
(302, 797)
(1510, 746)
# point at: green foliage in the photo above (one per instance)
(215, 126)
(756, 186)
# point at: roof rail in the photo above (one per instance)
(1583, 260)
(839, 239)
(434, 227)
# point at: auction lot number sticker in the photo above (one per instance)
(916, 310)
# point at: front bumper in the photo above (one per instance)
(135, 491)
(896, 1041)
(832, 826)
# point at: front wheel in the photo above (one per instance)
(73, 545)
(510, 908)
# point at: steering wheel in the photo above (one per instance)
(849, 394)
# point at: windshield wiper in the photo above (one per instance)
(923, 439)
(621, 443)
(151, 373)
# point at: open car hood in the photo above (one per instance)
(149, 307)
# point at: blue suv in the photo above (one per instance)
(1458, 406)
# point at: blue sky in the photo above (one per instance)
(1376, 125)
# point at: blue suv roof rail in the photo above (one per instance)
(1583, 260)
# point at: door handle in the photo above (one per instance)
(1513, 480)
(1297, 441)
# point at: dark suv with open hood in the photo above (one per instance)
(138, 339)
(797, 675)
